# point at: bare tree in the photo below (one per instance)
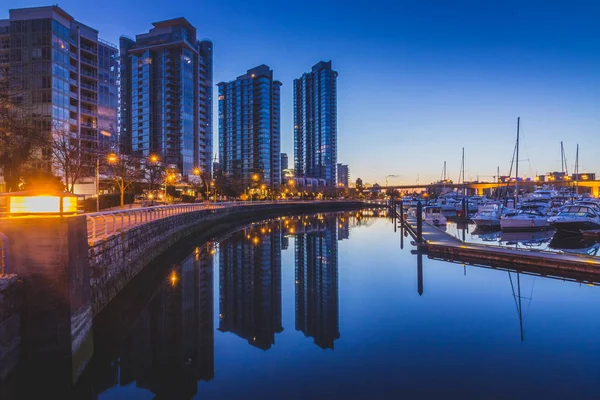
(125, 172)
(155, 172)
(68, 158)
(22, 132)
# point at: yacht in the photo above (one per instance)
(532, 215)
(433, 215)
(488, 215)
(576, 218)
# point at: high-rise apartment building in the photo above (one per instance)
(284, 166)
(343, 175)
(249, 129)
(166, 96)
(315, 124)
(67, 79)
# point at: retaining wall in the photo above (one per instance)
(118, 259)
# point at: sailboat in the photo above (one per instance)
(527, 218)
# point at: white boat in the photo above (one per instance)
(576, 218)
(526, 219)
(488, 215)
(433, 215)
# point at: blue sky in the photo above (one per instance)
(418, 80)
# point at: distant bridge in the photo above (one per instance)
(479, 187)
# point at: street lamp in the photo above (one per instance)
(112, 158)
(153, 162)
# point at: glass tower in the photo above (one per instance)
(166, 101)
(249, 129)
(315, 124)
(68, 80)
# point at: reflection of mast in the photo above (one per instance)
(420, 273)
(517, 297)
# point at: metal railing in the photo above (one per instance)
(101, 225)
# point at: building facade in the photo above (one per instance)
(315, 124)
(67, 80)
(249, 130)
(284, 166)
(166, 96)
(343, 175)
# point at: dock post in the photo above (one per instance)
(419, 222)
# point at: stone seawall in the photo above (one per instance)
(116, 260)
(11, 299)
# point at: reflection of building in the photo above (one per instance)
(343, 228)
(166, 96)
(249, 129)
(171, 346)
(250, 284)
(315, 124)
(317, 280)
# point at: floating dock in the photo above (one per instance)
(441, 245)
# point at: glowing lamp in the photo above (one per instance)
(41, 203)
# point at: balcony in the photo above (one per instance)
(89, 74)
(89, 49)
(73, 95)
(88, 61)
(87, 86)
(89, 99)
(89, 111)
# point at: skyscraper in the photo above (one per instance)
(68, 80)
(249, 129)
(284, 166)
(166, 100)
(343, 175)
(315, 124)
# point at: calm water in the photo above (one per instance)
(329, 306)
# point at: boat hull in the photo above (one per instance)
(486, 223)
(524, 224)
(575, 225)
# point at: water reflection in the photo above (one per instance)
(170, 347)
(316, 262)
(250, 284)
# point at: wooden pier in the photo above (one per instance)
(441, 245)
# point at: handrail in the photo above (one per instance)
(103, 224)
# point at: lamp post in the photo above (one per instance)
(255, 179)
(154, 163)
(212, 184)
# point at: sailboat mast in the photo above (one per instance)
(517, 165)
(562, 157)
(444, 170)
(463, 171)
(577, 171)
